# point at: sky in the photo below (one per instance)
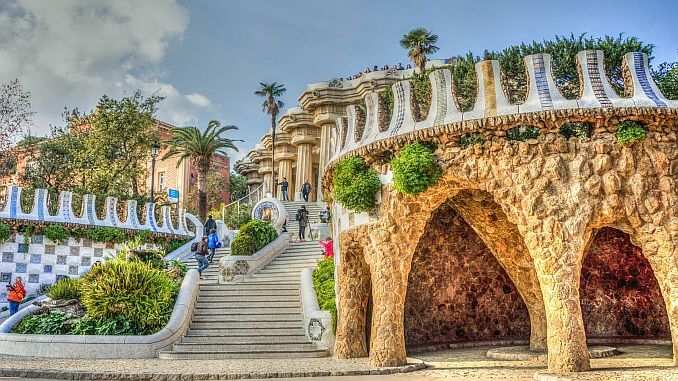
(207, 57)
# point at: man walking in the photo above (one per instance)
(283, 189)
(201, 255)
(302, 218)
(209, 225)
(306, 190)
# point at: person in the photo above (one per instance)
(306, 190)
(200, 255)
(400, 66)
(409, 66)
(212, 244)
(368, 70)
(210, 224)
(325, 215)
(328, 248)
(375, 68)
(283, 189)
(16, 295)
(302, 218)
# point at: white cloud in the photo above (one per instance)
(70, 53)
(199, 100)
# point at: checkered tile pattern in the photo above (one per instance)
(39, 261)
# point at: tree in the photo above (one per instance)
(271, 92)
(666, 77)
(15, 112)
(50, 162)
(188, 143)
(215, 186)
(237, 186)
(420, 43)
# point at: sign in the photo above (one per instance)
(173, 195)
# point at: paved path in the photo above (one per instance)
(642, 363)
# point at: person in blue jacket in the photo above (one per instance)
(212, 244)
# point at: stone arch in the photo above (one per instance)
(619, 292)
(457, 290)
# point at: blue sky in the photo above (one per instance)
(208, 57)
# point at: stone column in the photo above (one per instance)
(353, 287)
(285, 171)
(661, 250)
(325, 154)
(304, 168)
(557, 255)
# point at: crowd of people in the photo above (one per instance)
(399, 66)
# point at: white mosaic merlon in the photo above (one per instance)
(597, 89)
(645, 91)
(543, 95)
(88, 216)
(39, 261)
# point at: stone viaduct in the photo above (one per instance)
(536, 204)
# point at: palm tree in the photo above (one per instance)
(420, 43)
(271, 92)
(199, 147)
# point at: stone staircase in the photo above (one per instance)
(259, 317)
(314, 209)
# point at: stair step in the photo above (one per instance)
(248, 304)
(245, 331)
(223, 355)
(226, 346)
(282, 286)
(246, 317)
(261, 310)
(246, 325)
(246, 339)
(207, 298)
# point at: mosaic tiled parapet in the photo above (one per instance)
(88, 216)
(358, 131)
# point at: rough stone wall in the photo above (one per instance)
(457, 291)
(620, 296)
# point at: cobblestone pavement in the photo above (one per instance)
(636, 362)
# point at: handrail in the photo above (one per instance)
(247, 196)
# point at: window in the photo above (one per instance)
(161, 181)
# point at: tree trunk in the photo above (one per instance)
(202, 195)
(273, 179)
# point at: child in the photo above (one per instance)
(212, 244)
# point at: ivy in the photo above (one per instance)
(471, 138)
(56, 233)
(4, 232)
(253, 236)
(522, 133)
(323, 282)
(629, 132)
(415, 169)
(355, 184)
(579, 130)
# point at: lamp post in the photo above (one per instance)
(154, 154)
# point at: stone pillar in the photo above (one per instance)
(557, 255)
(661, 250)
(325, 154)
(353, 287)
(304, 168)
(285, 171)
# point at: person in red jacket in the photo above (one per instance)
(328, 247)
(17, 293)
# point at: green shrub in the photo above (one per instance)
(323, 282)
(130, 290)
(234, 219)
(144, 236)
(421, 89)
(579, 130)
(252, 237)
(105, 235)
(522, 133)
(48, 324)
(629, 132)
(56, 233)
(65, 289)
(4, 232)
(116, 325)
(153, 258)
(415, 169)
(470, 139)
(176, 264)
(355, 184)
(174, 244)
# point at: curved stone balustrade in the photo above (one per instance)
(89, 216)
(359, 131)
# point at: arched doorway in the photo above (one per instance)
(619, 294)
(457, 290)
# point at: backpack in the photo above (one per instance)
(194, 247)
